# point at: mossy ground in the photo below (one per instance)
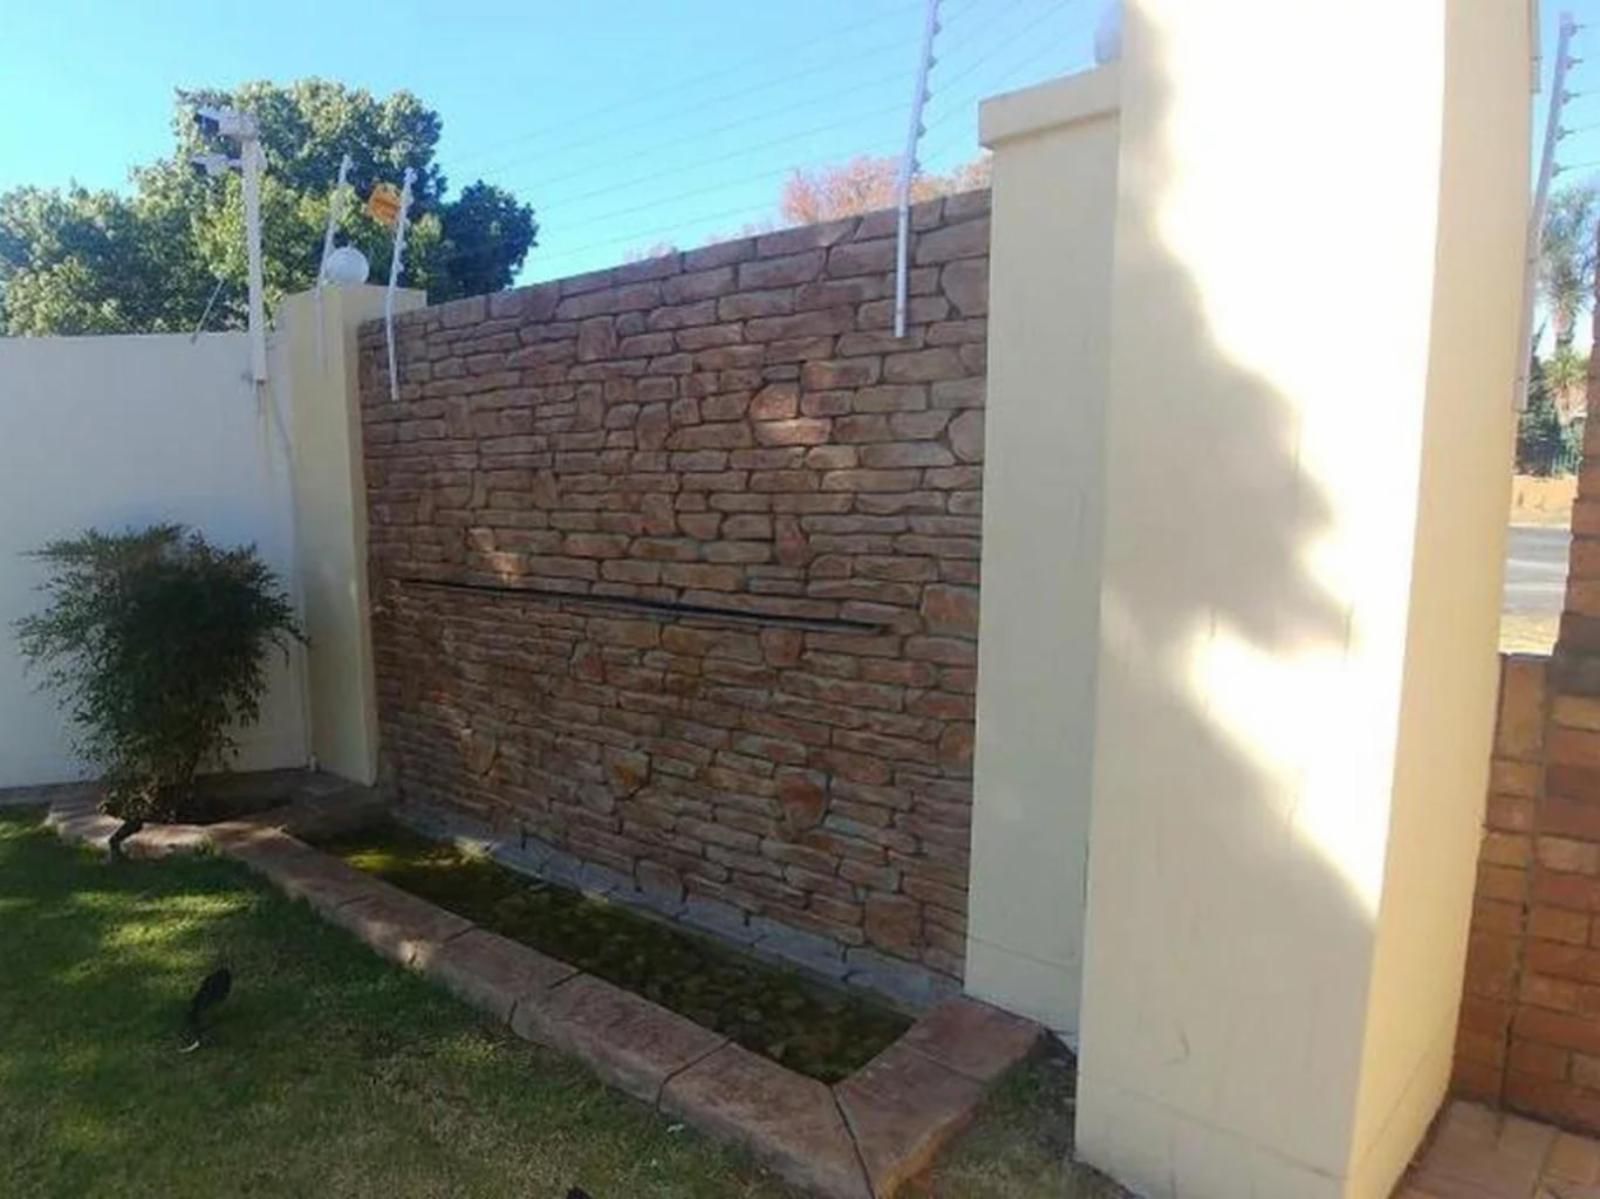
(807, 1026)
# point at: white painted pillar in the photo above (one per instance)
(1055, 170)
(1313, 337)
(330, 499)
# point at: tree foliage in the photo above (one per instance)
(1546, 445)
(866, 183)
(1567, 258)
(80, 261)
(157, 642)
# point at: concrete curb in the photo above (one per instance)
(859, 1139)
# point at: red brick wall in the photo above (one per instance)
(1530, 1016)
(675, 567)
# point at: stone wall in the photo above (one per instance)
(675, 574)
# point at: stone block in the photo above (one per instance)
(723, 919)
(905, 984)
(397, 925)
(632, 1043)
(973, 1038)
(782, 942)
(902, 1108)
(490, 971)
(787, 1121)
(164, 840)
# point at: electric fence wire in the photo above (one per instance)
(955, 108)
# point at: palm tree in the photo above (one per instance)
(1567, 258)
(1567, 375)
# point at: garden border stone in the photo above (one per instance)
(859, 1139)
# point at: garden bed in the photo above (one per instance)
(817, 1030)
(862, 1137)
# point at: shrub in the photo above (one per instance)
(156, 641)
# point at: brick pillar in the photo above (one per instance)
(1496, 945)
(1551, 972)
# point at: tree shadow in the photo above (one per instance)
(1253, 630)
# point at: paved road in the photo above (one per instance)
(1536, 570)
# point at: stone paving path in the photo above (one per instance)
(1478, 1153)
(860, 1139)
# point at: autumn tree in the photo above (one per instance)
(865, 183)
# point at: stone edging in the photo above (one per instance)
(859, 1139)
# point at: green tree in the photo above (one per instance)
(77, 261)
(1567, 258)
(1542, 443)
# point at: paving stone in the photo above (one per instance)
(247, 840)
(1471, 1155)
(326, 883)
(86, 828)
(490, 971)
(163, 840)
(788, 1121)
(973, 1038)
(397, 925)
(632, 1043)
(1573, 1159)
(902, 1107)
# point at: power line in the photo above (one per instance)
(655, 96)
(646, 235)
(969, 71)
(702, 135)
(946, 85)
(695, 166)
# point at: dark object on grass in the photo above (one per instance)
(212, 992)
(577, 1193)
(125, 830)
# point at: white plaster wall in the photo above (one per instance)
(1452, 668)
(113, 432)
(315, 374)
(1055, 172)
(1300, 412)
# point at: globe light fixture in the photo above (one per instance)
(347, 267)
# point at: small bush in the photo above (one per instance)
(156, 641)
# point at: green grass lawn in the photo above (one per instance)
(330, 1072)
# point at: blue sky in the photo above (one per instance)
(1582, 113)
(624, 123)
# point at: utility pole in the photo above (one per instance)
(251, 163)
(1541, 200)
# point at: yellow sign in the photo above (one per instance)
(383, 205)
